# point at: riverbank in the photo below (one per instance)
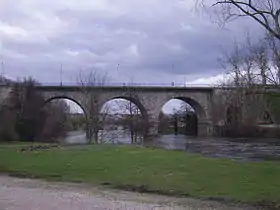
(151, 170)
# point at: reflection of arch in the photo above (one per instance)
(66, 98)
(133, 100)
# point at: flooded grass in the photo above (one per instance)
(158, 170)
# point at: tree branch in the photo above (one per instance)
(254, 13)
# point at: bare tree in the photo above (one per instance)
(264, 12)
(249, 64)
(247, 73)
(24, 114)
(91, 99)
(260, 56)
(56, 120)
(132, 117)
(265, 57)
(273, 48)
(187, 115)
(164, 122)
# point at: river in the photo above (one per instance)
(243, 149)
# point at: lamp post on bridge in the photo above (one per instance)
(2, 76)
(61, 74)
(2, 69)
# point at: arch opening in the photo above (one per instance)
(123, 121)
(181, 116)
(66, 121)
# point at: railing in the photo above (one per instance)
(129, 84)
(135, 84)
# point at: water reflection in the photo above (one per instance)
(233, 148)
(240, 149)
(104, 136)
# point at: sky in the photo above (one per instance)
(150, 41)
(141, 41)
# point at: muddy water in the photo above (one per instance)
(234, 148)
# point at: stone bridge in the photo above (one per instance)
(149, 100)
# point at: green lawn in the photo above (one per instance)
(158, 169)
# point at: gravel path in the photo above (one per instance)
(26, 194)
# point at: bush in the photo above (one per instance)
(26, 118)
(55, 122)
(28, 105)
(7, 122)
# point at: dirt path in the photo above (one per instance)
(26, 194)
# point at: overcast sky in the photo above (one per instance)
(152, 41)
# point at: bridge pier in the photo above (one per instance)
(153, 129)
(152, 119)
(4, 93)
(204, 129)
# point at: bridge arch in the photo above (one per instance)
(198, 116)
(48, 100)
(132, 99)
(198, 108)
(74, 116)
(129, 117)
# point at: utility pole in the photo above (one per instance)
(2, 76)
(61, 74)
(172, 67)
(118, 66)
(117, 69)
(2, 69)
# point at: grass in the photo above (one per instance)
(157, 169)
(18, 144)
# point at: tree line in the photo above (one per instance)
(24, 116)
(252, 69)
(250, 90)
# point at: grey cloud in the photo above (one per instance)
(149, 43)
